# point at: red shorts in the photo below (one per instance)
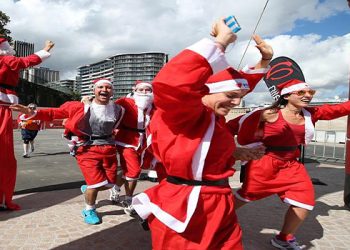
(288, 179)
(214, 225)
(98, 163)
(130, 161)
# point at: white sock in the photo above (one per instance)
(116, 188)
(26, 148)
(90, 207)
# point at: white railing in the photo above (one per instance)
(327, 144)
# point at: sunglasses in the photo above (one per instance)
(303, 92)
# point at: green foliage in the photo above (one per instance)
(4, 20)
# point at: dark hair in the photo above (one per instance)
(280, 103)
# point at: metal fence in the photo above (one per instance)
(327, 145)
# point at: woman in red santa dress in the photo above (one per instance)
(281, 128)
(93, 123)
(131, 140)
(10, 67)
(193, 207)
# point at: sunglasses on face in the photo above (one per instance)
(303, 92)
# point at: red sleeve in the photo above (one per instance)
(179, 87)
(249, 125)
(329, 112)
(18, 63)
(233, 125)
(66, 110)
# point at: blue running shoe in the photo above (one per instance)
(83, 188)
(90, 216)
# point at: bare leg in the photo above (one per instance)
(293, 219)
(130, 187)
(91, 194)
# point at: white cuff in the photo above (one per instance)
(208, 49)
(251, 70)
(43, 54)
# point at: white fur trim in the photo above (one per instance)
(251, 70)
(43, 54)
(97, 185)
(119, 143)
(309, 126)
(240, 197)
(8, 98)
(102, 81)
(129, 178)
(298, 204)
(227, 85)
(143, 84)
(208, 49)
(294, 87)
(23, 118)
(144, 207)
(198, 159)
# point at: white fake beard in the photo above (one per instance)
(6, 49)
(143, 101)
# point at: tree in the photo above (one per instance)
(4, 20)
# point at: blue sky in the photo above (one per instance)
(338, 24)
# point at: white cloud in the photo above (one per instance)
(86, 31)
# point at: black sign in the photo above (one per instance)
(282, 70)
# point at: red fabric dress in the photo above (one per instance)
(279, 172)
(194, 144)
(131, 138)
(10, 67)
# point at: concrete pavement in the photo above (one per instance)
(51, 219)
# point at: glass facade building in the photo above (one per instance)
(123, 70)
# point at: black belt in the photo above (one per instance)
(5, 86)
(281, 148)
(181, 181)
(134, 129)
(91, 138)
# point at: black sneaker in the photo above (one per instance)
(286, 245)
(26, 156)
(128, 208)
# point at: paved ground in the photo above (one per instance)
(51, 219)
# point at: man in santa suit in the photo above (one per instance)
(194, 207)
(10, 67)
(93, 123)
(131, 140)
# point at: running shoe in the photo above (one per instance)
(83, 188)
(90, 216)
(286, 245)
(128, 208)
(114, 195)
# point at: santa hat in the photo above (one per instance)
(101, 81)
(227, 80)
(140, 83)
(291, 86)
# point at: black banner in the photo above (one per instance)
(282, 70)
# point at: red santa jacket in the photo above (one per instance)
(10, 67)
(75, 112)
(187, 138)
(132, 129)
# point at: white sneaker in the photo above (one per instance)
(114, 195)
(128, 208)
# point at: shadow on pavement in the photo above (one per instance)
(117, 237)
